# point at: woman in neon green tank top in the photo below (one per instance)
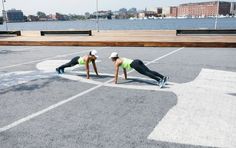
(85, 60)
(138, 65)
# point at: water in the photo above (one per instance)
(163, 24)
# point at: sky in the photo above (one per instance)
(82, 6)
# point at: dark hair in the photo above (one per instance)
(90, 52)
(115, 58)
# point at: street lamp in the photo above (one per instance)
(97, 16)
(4, 13)
(217, 13)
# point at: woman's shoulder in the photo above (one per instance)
(126, 58)
(119, 61)
(89, 58)
(85, 57)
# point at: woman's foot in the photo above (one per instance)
(165, 79)
(161, 83)
(60, 71)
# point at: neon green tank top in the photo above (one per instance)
(126, 63)
(81, 61)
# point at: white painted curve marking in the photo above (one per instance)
(74, 76)
(35, 61)
(21, 77)
(39, 60)
(51, 65)
(198, 114)
(205, 113)
(34, 115)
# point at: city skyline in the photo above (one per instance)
(80, 7)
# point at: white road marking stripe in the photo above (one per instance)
(170, 53)
(35, 61)
(51, 65)
(39, 60)
(27, 118)
(205, 113)
(46, 109)
(139, 87)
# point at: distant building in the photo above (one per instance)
(115, 14)
(159, 11)
(123, 10)
(14, 15)
(132, 11)
(156, 11)
(204, 9)
(52, 17)
(166, 11)
(147, 14)
(173, 11)
(33, 18)
(141, 14)
(233, 8)
(150, 14)
(61, 17)
(104, 14)
(87, 15)
(1, 20)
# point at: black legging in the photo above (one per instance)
(141, 68)
(73, 62)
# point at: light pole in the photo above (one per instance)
(4, 14)
(217, 13)
(97, 16)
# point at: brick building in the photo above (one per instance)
(204, 9)
(173, 11)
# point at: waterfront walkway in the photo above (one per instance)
(141, 38)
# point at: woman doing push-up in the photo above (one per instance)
(138, 65)
(85, 60)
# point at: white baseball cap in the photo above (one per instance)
(113, 55)
(94, 53)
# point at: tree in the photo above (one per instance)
(41, 14)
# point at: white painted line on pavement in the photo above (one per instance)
(27, 118)
(170, 53)
(35, 61)
(138, 87)
(205, 113)
(39, 60)
(46, 109)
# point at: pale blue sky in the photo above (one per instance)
(82, 6)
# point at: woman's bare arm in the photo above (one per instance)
(116, 73)
(87, 67)
(95, 67)
(125, 73)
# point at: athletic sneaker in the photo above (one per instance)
(165, 79)
(161, 83)
(62, 70)
(58, 70)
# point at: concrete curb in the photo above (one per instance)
(119, 43)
